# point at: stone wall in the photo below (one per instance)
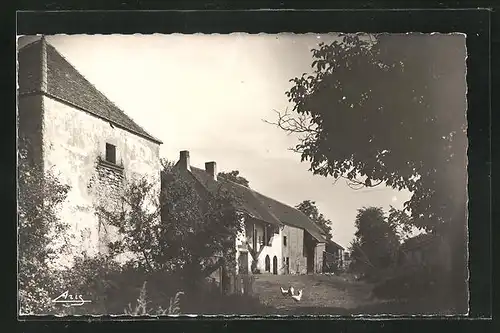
(294, 250)
(73, 143)
(109, 190)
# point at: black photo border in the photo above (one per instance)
(222, 17)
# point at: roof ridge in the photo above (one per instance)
(271, 214)
(334, 242)
(235, 183)
(297, 210)
(253, 192)
(80, 74)
(30, 44)
(246, 187)
(282, 203)
(270, 210)
(96, 90)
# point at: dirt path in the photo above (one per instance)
(322, 294)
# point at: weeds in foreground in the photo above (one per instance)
(141, 308)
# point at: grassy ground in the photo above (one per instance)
(332, 295)
(320, 293)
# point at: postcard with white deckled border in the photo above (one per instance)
(239, 174)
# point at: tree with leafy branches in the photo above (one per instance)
(376, 243)
(42, 235)
(391, 110)
(184, 231)
(310, 209)
(401, 222)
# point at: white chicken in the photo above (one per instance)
(287, 292)
(297, 298)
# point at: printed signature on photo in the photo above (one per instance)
(67, 299)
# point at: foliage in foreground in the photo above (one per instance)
(141, 308)
(121, 290)
(171, 243)
(181, 231)
(408, 108)
(41, 234)
(419, 290)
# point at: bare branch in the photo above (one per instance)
(147, 260)
(356, 184)
(353, 184)
(289, 123)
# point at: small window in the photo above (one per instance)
(267, 236)
(284, 240)
(110, 153)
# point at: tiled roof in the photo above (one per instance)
(65, 83)
(332, 243)
(259, 206)
(246, 198)
(292, 216)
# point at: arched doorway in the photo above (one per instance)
(268, 264)
(275, 265)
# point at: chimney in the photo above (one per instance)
(184, 160)
(211, 169)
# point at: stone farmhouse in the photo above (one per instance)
(278, 239)
(81, 136)
(77, 133)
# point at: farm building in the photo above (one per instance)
(70, 128)
(278, 239)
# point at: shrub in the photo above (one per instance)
(111, 288)
(114, 290)
(141, 309)
(412, 284)
(179, 230)
(41, 234)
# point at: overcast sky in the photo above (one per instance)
(208, 94)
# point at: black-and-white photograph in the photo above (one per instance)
(242, 174)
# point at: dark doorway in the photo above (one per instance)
(309, 246)
(268, 264)
(243, 263)
(275, 265)
(310, 262)
(287, 265)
